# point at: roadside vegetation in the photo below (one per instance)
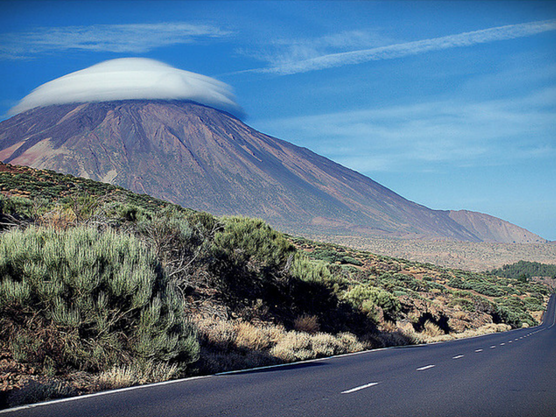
(101, 288)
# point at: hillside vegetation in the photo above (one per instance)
(526, 270)
(102, 288)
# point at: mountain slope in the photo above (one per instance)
(493, 229)
(208, 160)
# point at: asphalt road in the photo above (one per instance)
(505, 374)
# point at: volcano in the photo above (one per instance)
(207, 159)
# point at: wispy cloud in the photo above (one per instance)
(134, 38)
(284, 50)
(288, 64)
(429, 136)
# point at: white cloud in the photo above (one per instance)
(131, 78)
(128, 38)
(429, 135)
(283, 51)
(298, 63)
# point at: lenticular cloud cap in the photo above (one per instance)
(128, 79)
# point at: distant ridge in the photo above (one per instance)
(206, 159)
(493, 229)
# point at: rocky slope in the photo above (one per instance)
(208, 160)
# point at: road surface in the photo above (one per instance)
(504, 374)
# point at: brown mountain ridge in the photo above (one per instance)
(208, 160)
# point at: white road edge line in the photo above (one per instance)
(426, 367)
(100, 393)
(349, 391)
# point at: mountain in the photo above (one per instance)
(493, 229)
(206, 159)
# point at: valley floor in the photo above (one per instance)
(461, 255)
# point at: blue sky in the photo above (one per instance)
(450, 104)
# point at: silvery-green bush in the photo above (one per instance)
(86, 299)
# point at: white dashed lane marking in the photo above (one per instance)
(424, 368)
(349, 391)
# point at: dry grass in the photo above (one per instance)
(214, 362)
(59, 219)
(324, 344)
(486, 329)
(460, 315)
(252, 337)
(431, 330)
(293, 346)
(432, 333)
(135, 374)
(118, 377)
(306, 323)
(302, 346)
(229, 345)
(217, 332)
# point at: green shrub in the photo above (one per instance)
(462, 294)
(459, 284)
(434, 285)
(366, 298)
(513, 316)
(16, 206)
(533, 304)
(402, 282)
(352, 261)
(328, 255)
(252, 240)
(96, 299)
(169, 234)
(308, 270)
(465, 304)
(486, 289)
